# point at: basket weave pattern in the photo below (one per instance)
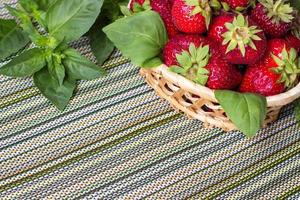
(199, 102)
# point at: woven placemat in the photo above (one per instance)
(118, 140)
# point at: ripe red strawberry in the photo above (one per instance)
(190, 16)
(217, 27)
(278, 71)
(222, 75)
(274, 17)
(182, 42)
(237, 4)
(294, 41)
(162, 7)
(276, 47)
(294, 36)
(171, 2)
(196, 58)
(261, 80)
(240, 40)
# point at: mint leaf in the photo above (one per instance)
(69, 20)
(79, 67)
(26, 64)
(12, 38)
(140, 37)
(247, 111)
(59, 95)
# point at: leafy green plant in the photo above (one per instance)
(247, 111)
(12, 38)
(54, 65)
(141, 43)
(101, 46)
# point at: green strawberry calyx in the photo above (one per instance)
(288, 67)
(240, 35)
(139, 8)
(192, 64)
(278, 11)
(202, 7)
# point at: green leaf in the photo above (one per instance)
(56, 70)
(297, 111)
(101, 46)
(59, 95)
(140, 37)
(25, 64)
(247, 111)
(295, 4)
(125, 11)
(12, 38)
(153, 62)
(45, 5)
(79, 67)
(69, 20)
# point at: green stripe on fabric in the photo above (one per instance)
(291, 192)
(256, 173)
(88, 154)
(227, 158)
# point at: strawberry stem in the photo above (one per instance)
(240, 35)
(192, 64)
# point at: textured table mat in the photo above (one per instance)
(117, 139)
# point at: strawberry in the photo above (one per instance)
(191, 16)
(275, 18)
(217, 27)
(294, 36)
(241, 42)
(196, 58)
(294, 41)
(279, 70)
(261, 80)
(171, 2)
(237, 4)
(182, 42)
(162, 7)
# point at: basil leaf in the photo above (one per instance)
(69, 20)
(295, 4)
(79, 67)
(140, 37)
(153, 62)
(12, 38)
(56, 70)
(29, 5)
(101, 46)
(25, 64)
(247, 111)
(59, 95)
(45, 4)
(297, 111)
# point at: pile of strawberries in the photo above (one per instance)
(243, 45)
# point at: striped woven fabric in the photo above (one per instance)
(118, 140)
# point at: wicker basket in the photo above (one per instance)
(199, 102)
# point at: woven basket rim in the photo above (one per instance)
(272, 101)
